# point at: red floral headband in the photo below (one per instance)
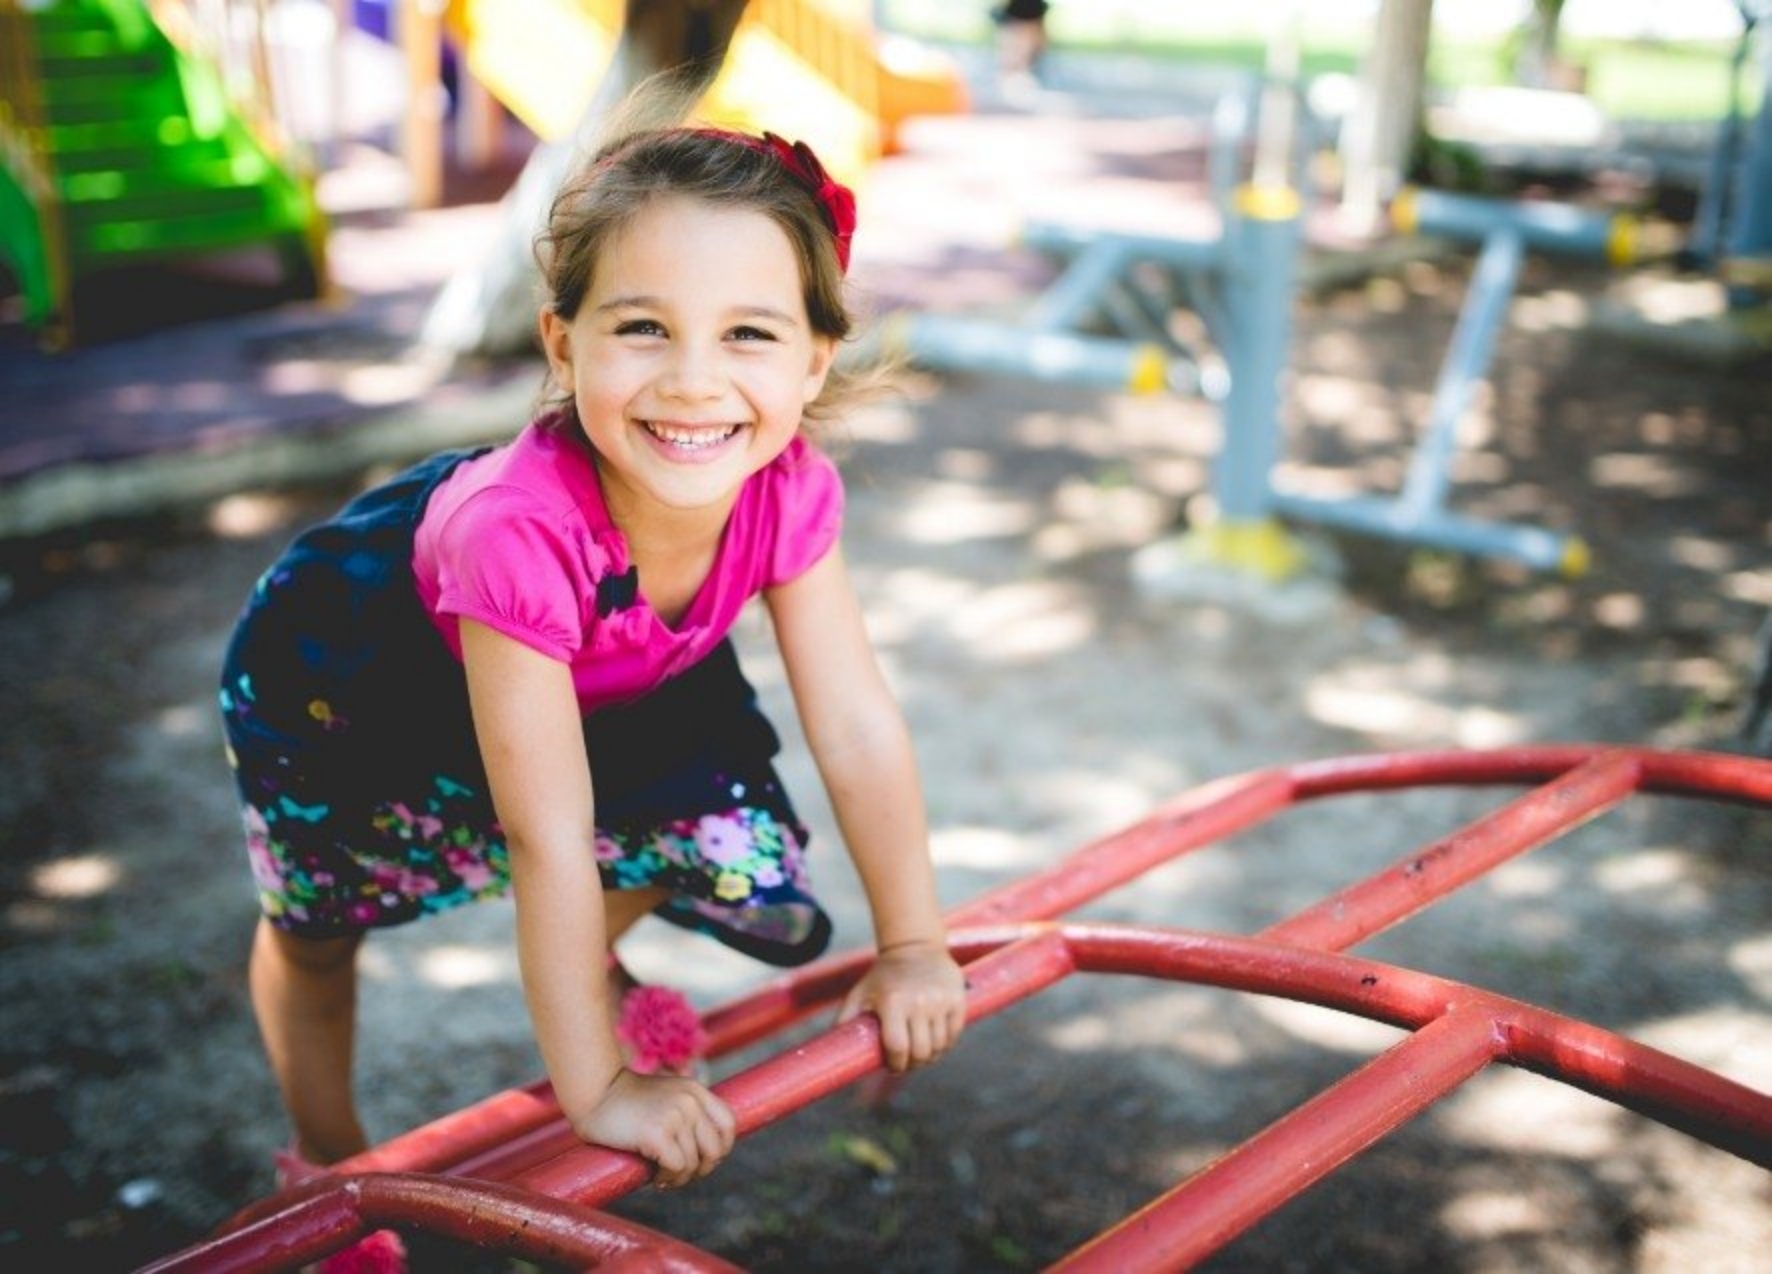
(836, 199)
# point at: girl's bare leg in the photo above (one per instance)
(304, 991)
(622, 908)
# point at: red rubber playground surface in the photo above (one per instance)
(506, 1174)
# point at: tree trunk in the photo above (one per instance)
(1379, 134)
(489, 308)
(1537, 65)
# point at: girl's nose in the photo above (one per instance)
(691, 373)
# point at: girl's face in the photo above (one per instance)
(691, 360)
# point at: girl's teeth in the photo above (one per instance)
(692, 439)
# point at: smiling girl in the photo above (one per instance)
(510, 669)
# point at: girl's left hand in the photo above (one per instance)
(919, 994)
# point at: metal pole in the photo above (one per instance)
(1013, 962)
(1543, 225)
(1750, 231)
(1200, 1216)
(1466, 363)
(337, 1211)
(1180, 253)
(1076, 295)
(1532, 820)
(950, 343)
(1261, 242)
(1389, 518)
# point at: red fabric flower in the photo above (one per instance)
(837, 200)
(660, 1030)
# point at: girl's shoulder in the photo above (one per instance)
(535, 496)
(801, 466)
(801, 483)
(537, 474)
(792, 513)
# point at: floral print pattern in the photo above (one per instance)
(741, 871)
(404, 864)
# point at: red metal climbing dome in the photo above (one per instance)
(507, 1174)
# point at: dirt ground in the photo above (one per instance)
(993, 529)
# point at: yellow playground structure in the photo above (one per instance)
(815, 69)
(120, 141)
(130, 131)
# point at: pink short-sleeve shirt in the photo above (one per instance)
(519, 539)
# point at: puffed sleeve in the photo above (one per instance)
(507, 561)
(808, 494)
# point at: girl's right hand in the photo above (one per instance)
(678, 1124)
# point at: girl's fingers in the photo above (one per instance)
(668, 1164)
(718, 1131)
(682, 1162)
(894, 1041)
(852, 1005)
(720, 1118)
(693, 1140)
(922, 1047)
(916, 1039)
(916, 1027)
(956, 1022)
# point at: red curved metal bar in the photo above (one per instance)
(330, 1213)
(1216, 1205)
(1581, 793)
(1708, 1106)
(1669, 772)
(1457, 1031)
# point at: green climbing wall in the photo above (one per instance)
(117, 146)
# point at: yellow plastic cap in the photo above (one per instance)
(1150, 370)
(1406, 210)
(1577, 557)
(1268, 203)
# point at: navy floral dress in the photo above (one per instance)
(364, 799)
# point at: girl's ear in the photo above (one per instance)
(824, 353)
(556, 343)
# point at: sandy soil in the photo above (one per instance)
(992, 531)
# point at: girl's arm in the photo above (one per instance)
(531, 741)
(863, 749)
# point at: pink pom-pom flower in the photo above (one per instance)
(380, 1253)
(660, 1030)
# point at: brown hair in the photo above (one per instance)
(625, 175)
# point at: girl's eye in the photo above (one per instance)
(752, 334)
(639, 327)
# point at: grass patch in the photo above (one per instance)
(1650, 80)
(1628, 79)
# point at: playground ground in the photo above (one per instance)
(992, 529)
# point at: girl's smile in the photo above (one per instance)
(690, 443)
(691, 360)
